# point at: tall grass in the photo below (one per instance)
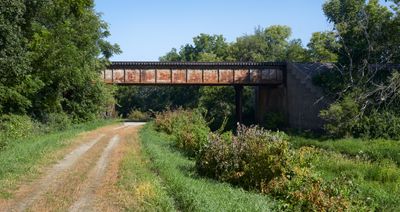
(371, 165)
(377, 149)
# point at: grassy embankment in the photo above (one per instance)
(165, 179)
(372, 165)
(24, 158)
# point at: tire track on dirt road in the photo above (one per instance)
(95, 176)
(83, 179)
(50, 180)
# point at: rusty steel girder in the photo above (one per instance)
(199, 73)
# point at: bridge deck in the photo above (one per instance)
(188, 73)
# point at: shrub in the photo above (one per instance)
(344, 119)
(188, 127)
(57, 122)
(164, 121)
(274, 121)
(341, 117)
(137, 115)
(14, 127)
(253, 157)
(383, 124)
(304, 190)
(262, 160)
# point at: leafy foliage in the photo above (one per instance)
(146, 98)
(15, 127)
(340, 117)
(137, 115)
(251, 159)
(261, 160)
(51, 54)
(270, 44)
(323, 47)
(17, 85)
(366, 36)
(189, 129)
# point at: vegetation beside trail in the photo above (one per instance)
(190, 191)
(374, 149)
(51, 55)
(293, 171)
(24, 157)
(371, 165)
(140, 189)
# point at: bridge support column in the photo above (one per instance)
(238, 100)
(271, 101)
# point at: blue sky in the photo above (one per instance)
(148, 29)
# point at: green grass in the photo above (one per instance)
(189, 191)
(140, 188)
(376, 150)
(374, 172)
(23, 158)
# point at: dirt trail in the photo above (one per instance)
(82, 180)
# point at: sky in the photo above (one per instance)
(148, 29)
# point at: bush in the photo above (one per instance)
(137, 115)
(344, 119)
(14, 127)
(56, 122)
(304, 190)
(251, 159)
(274, 121)
(188, 127)
(383, 124)
(164, 121)
(261, 160)
(341, 117)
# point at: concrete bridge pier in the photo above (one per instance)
(273, 100)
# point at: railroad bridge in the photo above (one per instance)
(283, 88)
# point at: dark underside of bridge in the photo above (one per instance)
(271, 82)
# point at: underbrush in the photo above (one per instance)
(346, 118)
(137, 115)
(251, 159)
(189, 129)
(258, 160)
(372, 167)
(14, 128)
(374, 150)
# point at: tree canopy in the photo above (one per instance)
(51, 54)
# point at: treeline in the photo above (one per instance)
(365, 38)
(51, 55)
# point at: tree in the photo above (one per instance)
(368, 35)
(17, 85)
(172, 56)
(323, 47)
(68, 50)
(270, 44)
